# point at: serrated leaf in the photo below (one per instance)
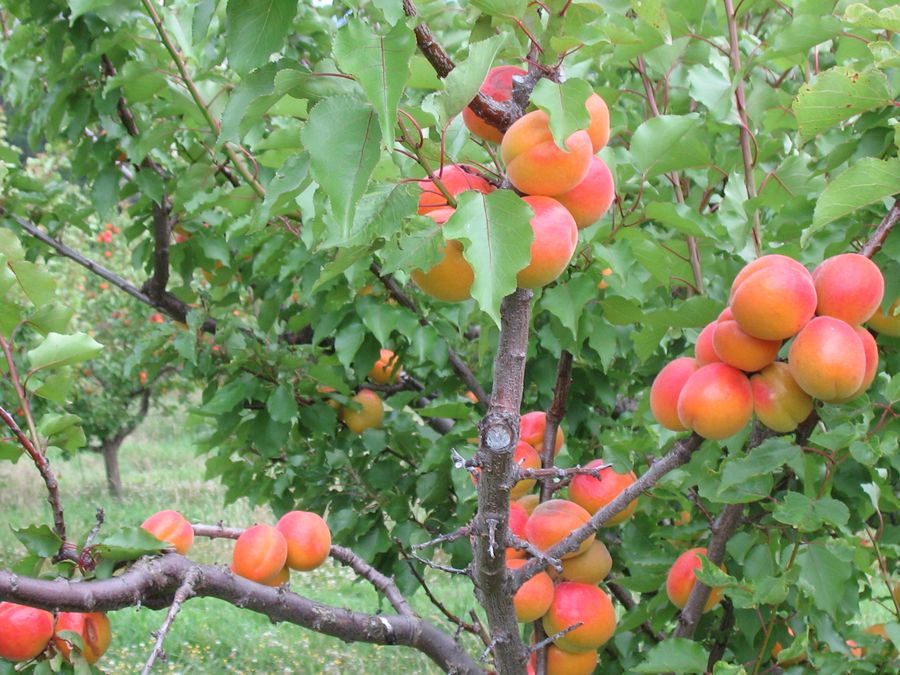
(565, 104)
(39, 540)
(861, 15)
(420, 249)
(668, 143)
(676, 655)
(284, 186)
(38, 284)
(63, 350)
(768, 457)
(256, 29)
(679, 217)
(653, 12)
(509, 8)
(129, 544)
(808, 515)
(253, 95)
(837, 95)
(824, 569)
(282, 405)
(52, 317)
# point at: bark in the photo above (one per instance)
(110, 451)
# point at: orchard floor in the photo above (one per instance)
(160, 469)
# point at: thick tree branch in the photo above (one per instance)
(880, 235)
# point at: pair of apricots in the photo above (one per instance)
(734, 371)
(26, 632)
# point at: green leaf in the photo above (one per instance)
(248, 101)
(81, 7)
(837, 95)
(565, 104)
(10, 245)
(256, 29)
(653, 12)
(53, 317)
(669, 143)
(803, 33)
(380, 64)
(824, 569)
(203, 14)
(129, 543)
(39, 539)
(680, 217)
(808, 515)
(496, 234)
(283, 187)
(509, 8)
(676, 655)
(282, 405)
(738, 472)
(63, 350)
(38, 284)
(421, 249)
(863, 16)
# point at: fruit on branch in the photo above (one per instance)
(526, 457)
(450, 279)
(554, 520)
(704, 351)
(529, 502)
(775, 299)
(666, 389)
(887, 323)
(682, 577)
(870, 348)
(849, 287)
(778, 400)
(93, 628)
(598, 129)
(593, 494)
(555, 238)
(716, 401)
(536, 165)
(455, 180)
(533, 425)
(591, 567)
(518, 516)
(308, 539)
(739, 349)
(828, 359)
(605, 272)
(260, 554)
(498, 85)
(534, 597)
(585, 604)
(280, 579)
(172, 528)
(24, 631)
(591, 198)
(560, 662)
(386, 369)
(369, 416)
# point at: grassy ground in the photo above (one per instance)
(161, 470)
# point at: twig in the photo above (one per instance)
(218, 531)
(880, 235)
(16, 382)
(555, 636)
(383, 584)
(557, 473)
(184, 593)
(449, 536)
(554, 416)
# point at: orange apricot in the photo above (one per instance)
(518, 516)
(533, 598)
(450, 279)
(704, 351)
(585, 604)
(24, 631)
(741, 350)
(870, 349)
(887, 323)
(527, 458)
(370, 416)
(308, 539)
(280, 579)
(761, 263)
(828, 359)
(94, 630)
(849, 287)
(260, 554)
(716, 401)
(681, 579)
(456, 180)
(555, 238)
(778, 400)
(498, 85)
(532, 426)
(599, 127)
(386, 369)
(594, 493)
(605, 272)
(561, 662)
(171, 527)
(592, 197)
(774, 301)
(591, 567)
(529, 502)
(554, 520)
(666, 389)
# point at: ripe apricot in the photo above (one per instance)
(455, 180)
(887, 323)
(94, 629)
(681, 579)
(739, 349)
(599, 127)
(532, 427)
(536, 165)
(308, 539)
(775, 300)
(498, 85)
(24, 631)
(552, 521)
(870, 349)
(592, 197)
(580, 603)
(369, 417)
(761, 263)
(527, 458)
(828, 359)
(594, 493)
(386, 369)
(280, 579)
(555, 238)
(533, 598)
(704, 351)
(591, 567)
(849, 287)
(561, 662)
(260, 554)
(529, 502)
(518, 516)
(778, 400)
(716, 401)
(666, 389)
(171, 527)
(450, 279)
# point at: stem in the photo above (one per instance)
(877, 239)
(20, 392)
(184, 593)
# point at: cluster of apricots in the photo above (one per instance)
(368, 411)
(567, 189)
(776, 306)
(27, 632)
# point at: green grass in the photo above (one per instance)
(161, 470)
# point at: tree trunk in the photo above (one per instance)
(110, 450)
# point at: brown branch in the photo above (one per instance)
(622, 595)
(558, 473)
(155, 286)
(384, 585)
(184, 593)
(880, 235)
(554, 416)
(725, 631)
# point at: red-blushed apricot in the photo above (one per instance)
(532, 427)
(498, 85)
(850, 287)
(594, 493)
(260, 554)
(761, 263)
(455, 180)
(527, 458)
(666, 389)
(681, 579)
(778, 400)
(887, 323)
(555, 238)
(280, 579)
(533, 598)
(591, 567)
(585, 604)
(171, 527)
(560, 662)
(94, 629)
(716, 401)
(775, 301)
(745, 352)
(370, 416)
(704, 351)
(870, 349)
(828, 359)
(529, 502)
(308, 539)
(518, 516)
(592, 197)
(554, 520)
(536, 165)
(24, 631)
(599, 127)
(386, 369)
(450, 279)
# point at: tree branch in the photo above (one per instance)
(877, 239)
(182, 595)
(555, 414)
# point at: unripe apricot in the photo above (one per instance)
(580, 603)
(24, 631)
(455, 180)
(561, 662)
(778, 400)
(518, 516)
(555, 238)
(739, 349)
(260, 554)
(171, 527)
(849, 287)
(667, 388)
(554, 520)
(599, 127)
(498, 85)
(451, 279)
(716, 401)
(308, 539)
(592, 197)
(774, 301)
(536, 165)
(682, 578)
(527, 458)
(887, 323)
(532, 427)
(828, 359)
(94, 629)
(386, 369)
(594, 493)
(591, 567)
(369, 417)
(533, 598)
(704, 351)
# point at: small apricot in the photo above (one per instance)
(849, 287)
(534, 597)
(370, 416)
(555, 238)
(778, 400)
(456, 180)
(452, 277)
(592, 197)
(585, 604)
(828, 359)
(532, 426)
(498, 85)
(94, 629)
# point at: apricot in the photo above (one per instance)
(555, 238)
(704, 351)
(761, 263)
(450, 279)
(386, 369)
(308, 539)
(560, 662)
(849, 286)
(716, 401)
(527, 458)
(739, 349)
(774, 301)
(666, 389)
(591, 567)
(171, 527)
(594, 493)
(536, 165)
(533, 598)
(369, 417)
(828, 359)
(498, 85)
(605, 272)
(887, 323)
(455, 180)
(260, 554)
(580, 603)
(599, 126)
(592, 197)
(24, 631)
(554, 520)
(94, 630)
(518, 516)
(529, 502)
(280, 579)
(681, 579)
(532, 427)
(778, 400)
(870, 349)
